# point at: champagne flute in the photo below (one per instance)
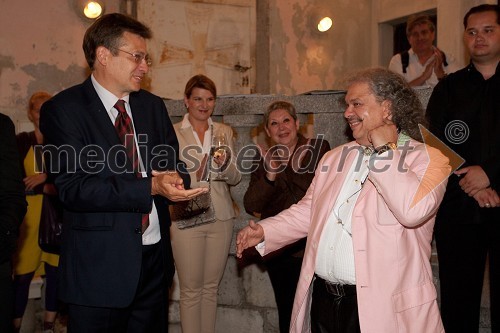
(221, 154)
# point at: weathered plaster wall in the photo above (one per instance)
(41, 50)
(315, 61)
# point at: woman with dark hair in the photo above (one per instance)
(200, 252)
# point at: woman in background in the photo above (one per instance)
(29, 255)
(200, 253)
(277, 184)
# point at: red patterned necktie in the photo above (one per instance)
(125, 130)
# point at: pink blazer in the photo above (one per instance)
(392, 227)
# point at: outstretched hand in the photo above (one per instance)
(249, 236)
(170, 185)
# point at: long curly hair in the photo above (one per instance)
(406, 109)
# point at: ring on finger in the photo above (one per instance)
(487, 205)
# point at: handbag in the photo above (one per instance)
(193, 212)
(49, 233)
(200, 209)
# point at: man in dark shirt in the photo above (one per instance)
(12, 209)
(464, 111)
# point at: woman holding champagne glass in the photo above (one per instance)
(200, 253)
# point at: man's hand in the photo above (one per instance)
(170, 185)
(474, 179)
(438, 64)
(487, 198)
(428, 70)
(249, 236)
(387, 132)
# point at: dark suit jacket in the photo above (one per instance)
(12, 199)
(463, 111)
(102, 244)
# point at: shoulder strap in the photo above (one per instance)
(445, 63)
(405, 60)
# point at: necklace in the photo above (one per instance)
(346, 201)
(337, 215)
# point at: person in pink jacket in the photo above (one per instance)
(369, 217)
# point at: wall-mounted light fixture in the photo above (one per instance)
(319, 20)
(324, 24)
(89, 9)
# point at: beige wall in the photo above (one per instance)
(41, 50)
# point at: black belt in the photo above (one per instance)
(336, 289)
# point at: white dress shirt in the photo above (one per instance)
(207, 139)
(335, 256)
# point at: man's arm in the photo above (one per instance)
(412, 188)
(12, 198)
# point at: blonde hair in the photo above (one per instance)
(280, 105)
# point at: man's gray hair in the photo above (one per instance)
(405, 106)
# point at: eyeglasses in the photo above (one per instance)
(138, 56)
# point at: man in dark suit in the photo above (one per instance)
(115, 266)
(12, 209)
(463, 111)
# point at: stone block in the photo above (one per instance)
(174, 328)
(239, 320)
(231, 286)
(174, 313)
(175, 289)
(257, 286)
(272, 321)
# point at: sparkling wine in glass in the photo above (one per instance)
(221, 154)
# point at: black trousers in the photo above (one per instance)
(6, 298)
(147, 313)
(284, 272)
(332, 313)
(462, 250)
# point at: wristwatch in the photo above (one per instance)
(388, 146)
